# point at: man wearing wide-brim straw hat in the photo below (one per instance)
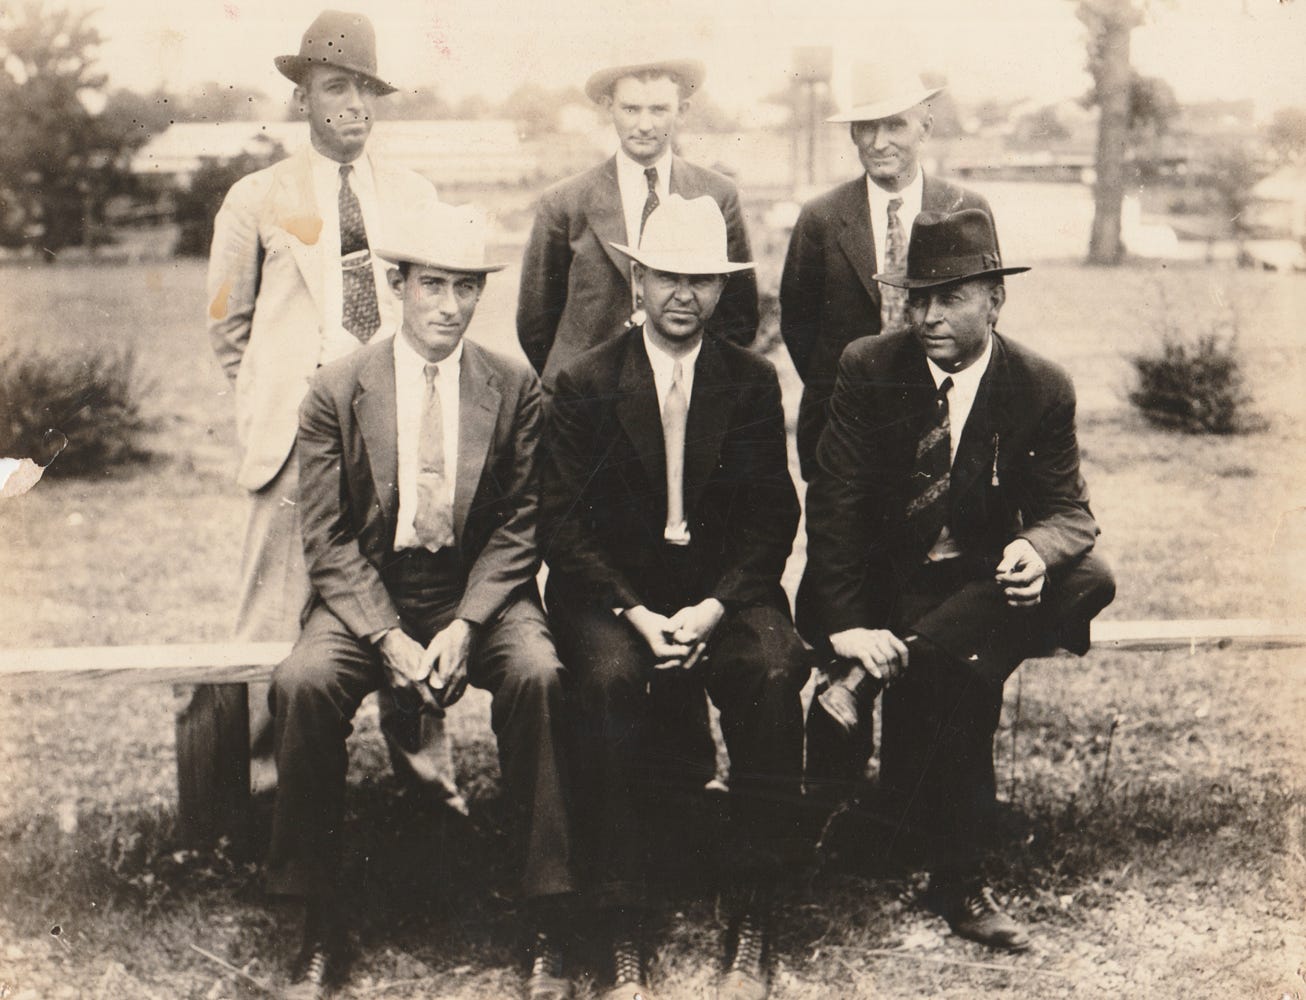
(949, 538)
(828, 292)
(418, 493)
(667, 514)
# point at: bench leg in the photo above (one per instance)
(213, 797)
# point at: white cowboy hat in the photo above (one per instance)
(685, 236)
(450, 237)
(879, 91)
(690, 72)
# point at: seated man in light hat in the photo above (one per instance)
(418, 500)
(829, 295)
(667, 514)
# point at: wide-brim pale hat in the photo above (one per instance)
(450, 237)
(346, 41)
(950, 247)
(879, 91)
(685, 236)
(690, 72)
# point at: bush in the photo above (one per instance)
(197, 204)
(91, 399)
(1195, 384)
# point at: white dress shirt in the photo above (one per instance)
(337, 342)
(961, 398)
(878, 200)
(634, 190)
(410, 394)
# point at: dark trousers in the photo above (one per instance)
(754, 670)
(939, 718)
(318, 688)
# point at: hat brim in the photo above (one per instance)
(901, 281)
(682, 263)
(294, 67)
(690, 71)
(409, 257)
(883, 109)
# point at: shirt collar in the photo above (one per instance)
(633, 173)
(663, 363)
(408, 360)
(968, 379)
(911, 197)
(324, 167)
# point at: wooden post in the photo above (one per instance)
(213, 766)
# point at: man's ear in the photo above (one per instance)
(997, 298)
(395, 277)
(300, 96)
(684, 107)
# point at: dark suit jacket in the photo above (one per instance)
(575, 289)
(1016, 474)
(349, 494)
(603, 489)
(828, 295)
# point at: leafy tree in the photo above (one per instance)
(218, 102)
(59, 163)
(1287, 134)
(196, 206)
(418, 104)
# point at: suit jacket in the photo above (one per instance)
(349, 494)
(575, 288)
(265, 297)
(828, 295)
(603, 506)
(1016, 473)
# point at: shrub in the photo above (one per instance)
(198, 203)
(92, 399)
(1195, 383)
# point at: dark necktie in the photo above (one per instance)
(360, 315)
(651, 202)
(893, 300)
(433, 521)
(927, 510)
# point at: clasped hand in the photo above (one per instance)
(677, 640)
(437, 673)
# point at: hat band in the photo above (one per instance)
(956, 266)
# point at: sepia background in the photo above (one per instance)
(1155, 799)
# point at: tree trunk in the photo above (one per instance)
(1111, 73)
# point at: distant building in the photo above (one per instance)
(448, 152)
(1278, 205)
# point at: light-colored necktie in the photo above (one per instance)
(433, 521)
(360, 314)
(893, 300)
(675, 412)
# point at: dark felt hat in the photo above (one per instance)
(948, 247)
(336, 38)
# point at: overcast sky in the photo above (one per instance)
(1032, 48)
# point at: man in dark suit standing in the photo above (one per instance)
(828, 292)
(575, 288)
(667, 515)
(418, 496)
(949, 538)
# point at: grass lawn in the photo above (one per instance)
(1156, 799)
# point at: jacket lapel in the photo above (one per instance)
(297, 214)
(478, 411)
(606, 218)
(637, 409)
(705, 428)
(855, 234)
(374, 409)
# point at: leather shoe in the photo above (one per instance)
(628, 991)
(315, 968)
(977, 916)
(546, 981)
(628, 971)
(746, 977)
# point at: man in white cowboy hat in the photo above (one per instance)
(828, 293)
(575, 288)
(949, 538)
(292, 285)
(667, 514)
(418, 496)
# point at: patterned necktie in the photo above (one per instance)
(893, 300)
(433, 521)
(360, 315)
(651, 202)
(675, 411)
(927, 510)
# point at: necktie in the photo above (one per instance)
(893, 300)
(674, 413)
(433, 521)
(360, 315)
(927, 510)
(651, 202)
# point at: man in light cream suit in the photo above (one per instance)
(292, 285)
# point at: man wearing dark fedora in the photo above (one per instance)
(418, 492)
(667, 514)
(292, 285)
(829, 295)
(949, 538)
